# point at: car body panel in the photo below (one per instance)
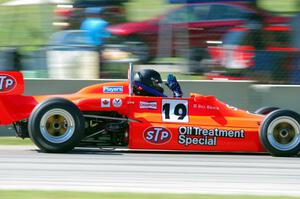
(204, 112)
(195, 123)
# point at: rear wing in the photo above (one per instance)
(13, 105)
(11, 83)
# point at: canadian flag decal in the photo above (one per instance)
(105, 102)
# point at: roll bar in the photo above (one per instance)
(130, 78)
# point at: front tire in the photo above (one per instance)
(280, 133)
(56, 125)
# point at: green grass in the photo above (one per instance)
(25, 25)
(280, 6)
(32, 25)
(14, 141)
(82, 195)
(142, 9)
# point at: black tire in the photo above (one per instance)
(266, 110)
(280, 133)
(63, 119)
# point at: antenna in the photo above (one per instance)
(130, 78)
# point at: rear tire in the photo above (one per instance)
(266, 110)
(280, 133)
(56, 125)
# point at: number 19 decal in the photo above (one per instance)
(175, 111)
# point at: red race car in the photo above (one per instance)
(193, 24)
(120, 114)
(272, 58)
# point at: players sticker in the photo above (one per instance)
(148, 105)
(113, 89)
(117, 102)
(105, 102)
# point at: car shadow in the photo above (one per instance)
(118, 151)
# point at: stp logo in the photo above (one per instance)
(7, 83)
(157, 135)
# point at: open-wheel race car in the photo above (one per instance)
(117, 114)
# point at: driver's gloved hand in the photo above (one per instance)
(174, 85)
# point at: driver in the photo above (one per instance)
(148, 82)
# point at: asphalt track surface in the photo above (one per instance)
(121, 171)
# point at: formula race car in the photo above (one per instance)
(113, 115)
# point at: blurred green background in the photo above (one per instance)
(81, 195)
(32, 24)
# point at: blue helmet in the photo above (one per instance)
(148, 82)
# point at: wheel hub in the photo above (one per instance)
(284, 133)
(57, 125)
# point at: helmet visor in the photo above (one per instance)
(157, 84)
